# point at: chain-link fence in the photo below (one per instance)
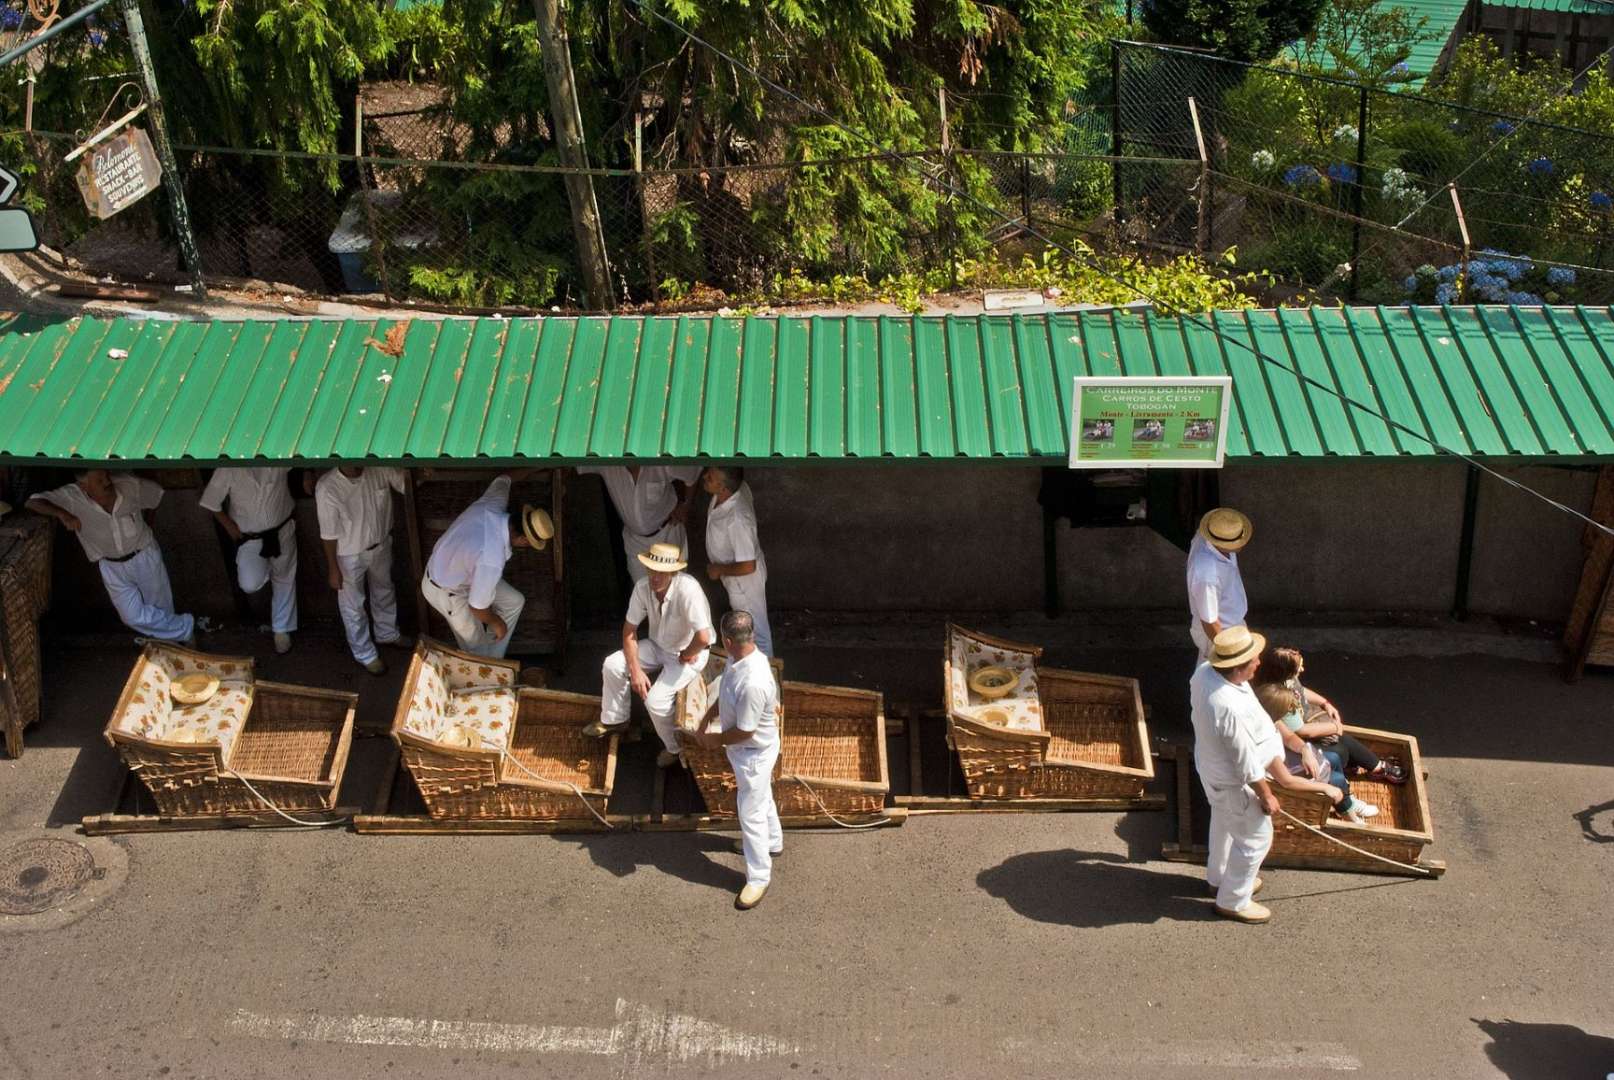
(1340, 190)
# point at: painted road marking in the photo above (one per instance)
(641, 1034)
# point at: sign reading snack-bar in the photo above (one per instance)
(118, 173)
(1170, 423)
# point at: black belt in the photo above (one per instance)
(270, 548)
(121, 558)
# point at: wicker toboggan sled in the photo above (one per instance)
(480, 747)
(1045, 732)
(249, 747)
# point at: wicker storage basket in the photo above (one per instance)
(548, 769)
(292, 748)
(710, 768)
(833, 753)
(1401, 830)
(1063, 734)
(25, 565)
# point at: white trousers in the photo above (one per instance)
(143, 596)
(253, 572)
(635, 545)
(749, 593)
(760, 834)
(674, 676)
(373, 567)
(1196, 630)
(1240, 837)
(468, 631)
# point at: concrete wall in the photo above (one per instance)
(1348, 536)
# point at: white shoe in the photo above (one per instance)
(282, 642)
(750, 897)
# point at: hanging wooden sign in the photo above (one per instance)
(118, 173)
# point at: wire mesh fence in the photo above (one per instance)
(1345, 191)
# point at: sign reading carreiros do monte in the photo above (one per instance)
(1167, 422)
(118, 173)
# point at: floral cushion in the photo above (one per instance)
(152, 713)
(462, 674)
(491, 713)
(1021, 707)
(428, 706)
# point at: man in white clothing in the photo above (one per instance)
(747, 709)
(653, 502)
(464, 578)
(1239, 757)
(355, 524)
(734, 555)
(1216, 598)
(111, 515)
(680, 635)
(255, 507)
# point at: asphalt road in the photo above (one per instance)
(1015, 945)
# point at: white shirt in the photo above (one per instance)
(123, 531)
(357, 514)
(731, 530)
(471, 553)
(1215, 590)
(258, 497)
(677, 617)
(748, 699)
(1234, 738)
(645, 503)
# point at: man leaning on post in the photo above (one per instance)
(1239, 756)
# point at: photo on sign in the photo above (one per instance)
(1148, 431)
(1199, 431)
(1098, 431)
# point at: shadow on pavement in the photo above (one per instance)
(686, 856)
(1092, 889)
(1546, 1051)
(1588, 823)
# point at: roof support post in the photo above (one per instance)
(1465, 544)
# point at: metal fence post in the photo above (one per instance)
(165, 150)
(947, 172)
(1357, 193)
(1201, 229)
(645, 228)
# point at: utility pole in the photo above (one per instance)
(568, 120)
(165, 150)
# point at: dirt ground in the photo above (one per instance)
(1012, 945)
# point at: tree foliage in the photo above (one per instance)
(1250, 30)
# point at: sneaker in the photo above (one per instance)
(1366, 809)
(752, 895)
(376, 667)
(739, 849)
(666, 759)
(282, 642)
(598, 730)
(1251, 913)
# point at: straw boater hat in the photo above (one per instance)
(1235, 647)
(665, 558)
(1226, 528)
(538, 526)
(194, 689)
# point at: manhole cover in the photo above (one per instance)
(37, 875)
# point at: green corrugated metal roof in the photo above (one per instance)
(1572, 7)
(1443, 16)
(1500, 382)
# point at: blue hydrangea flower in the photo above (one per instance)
(1399, 68)
(1445, 294)
(1341, 173)
(1501, 127)
(1410, 283)
(1600, 200)
(1559, 276)
(1448, 273)
(97, 38)
(1301, 176)
(1491, 292)
(1540, 166)
(10, 19)
(1524, 299)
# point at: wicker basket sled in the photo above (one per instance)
(481, 747)
(1053, 734)
(289, 743)
(832, 757)
(25, 558)
(1400, 832)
